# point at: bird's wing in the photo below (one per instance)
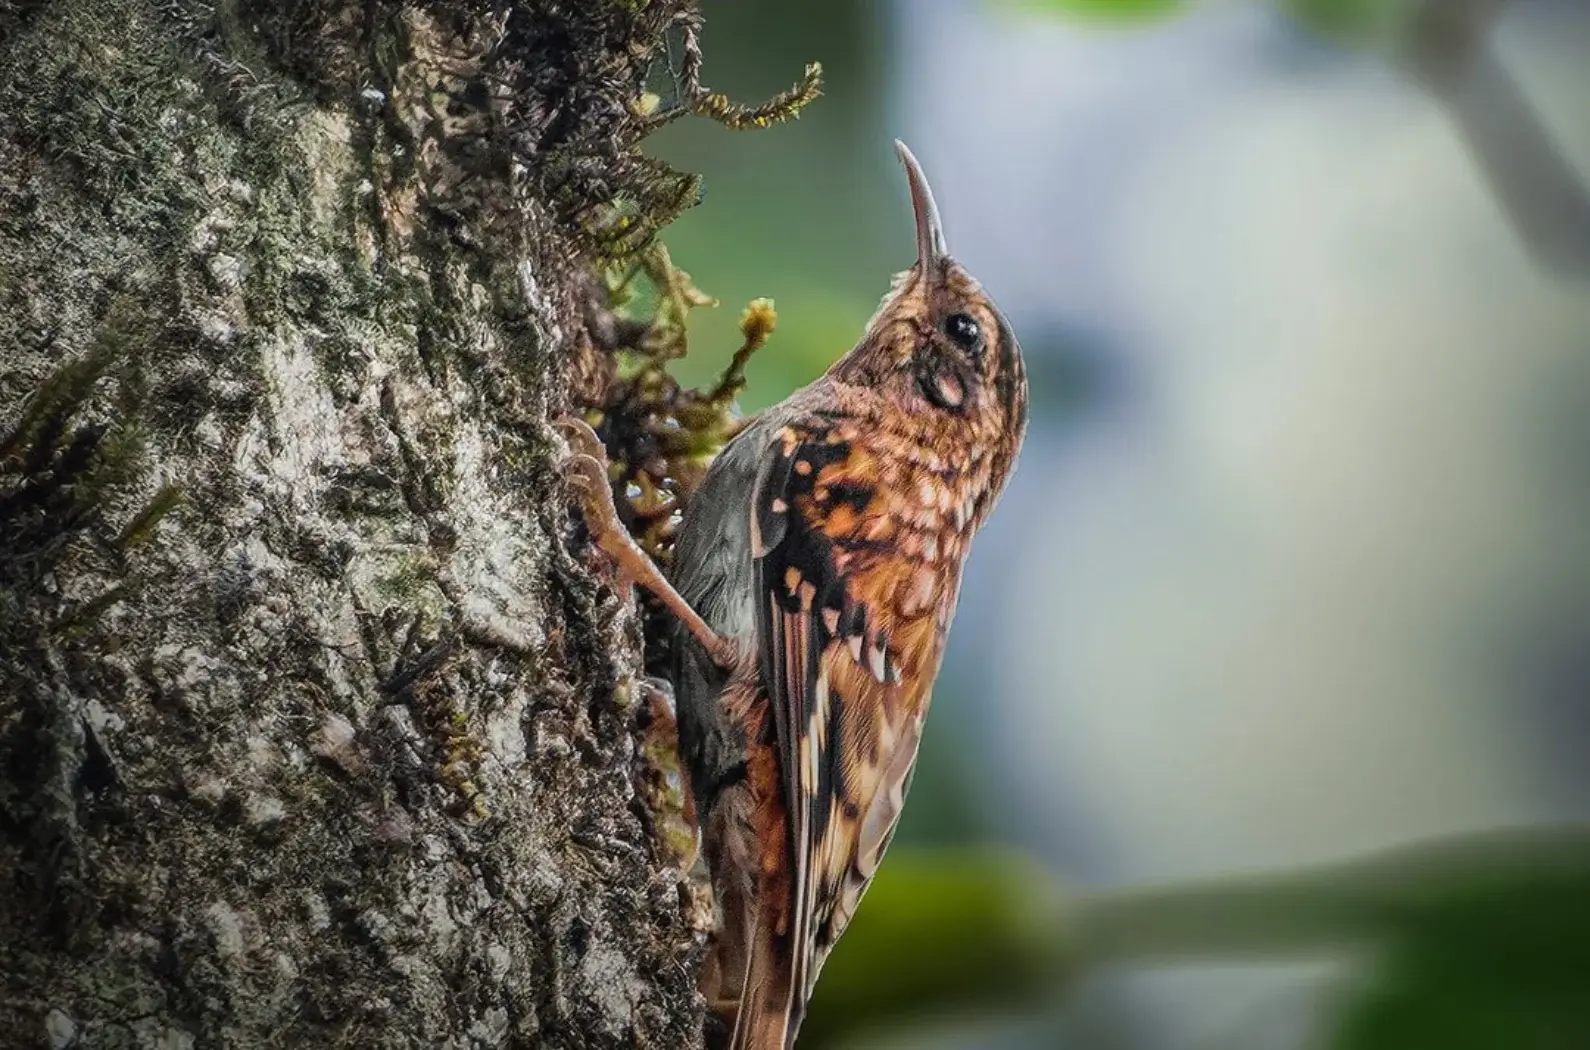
(850, 629)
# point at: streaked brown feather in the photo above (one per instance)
(858, 585)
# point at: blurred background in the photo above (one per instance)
(1296, 566)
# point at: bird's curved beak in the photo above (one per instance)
(930, 250)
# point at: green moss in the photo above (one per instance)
(59, 474)
(409, 582)
(77, 622)
(142, 526)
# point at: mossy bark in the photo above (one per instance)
(313, 719)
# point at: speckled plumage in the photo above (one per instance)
(817, 571)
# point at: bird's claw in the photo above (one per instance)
(581, 438)
(585, 468)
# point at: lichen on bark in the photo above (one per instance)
(314, 720)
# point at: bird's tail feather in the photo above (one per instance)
(770, 1004)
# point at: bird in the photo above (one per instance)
(814, 580)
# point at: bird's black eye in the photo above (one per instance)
(964, 332)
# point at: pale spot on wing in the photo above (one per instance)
(821, 700)
(886, 735)
(919, 593)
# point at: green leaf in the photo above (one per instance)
(1375, 24)
(1112, 10)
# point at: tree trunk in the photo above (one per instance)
(317, 727)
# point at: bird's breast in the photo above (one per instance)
(899, 516)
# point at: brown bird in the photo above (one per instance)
(816, 573)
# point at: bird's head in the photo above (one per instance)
(938, 345)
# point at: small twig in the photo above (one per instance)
(699, 100)
(756, 326)
(1448, 49)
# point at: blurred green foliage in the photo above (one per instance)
(1113, 10)
(1499, 959)
(1473, 943)
(1358, 23)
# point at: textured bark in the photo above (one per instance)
(315, 724)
